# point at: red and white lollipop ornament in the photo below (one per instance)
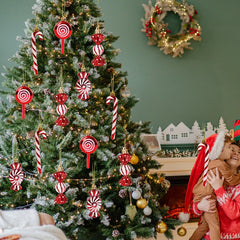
(88, 145)
(63, 30)
(24, 96)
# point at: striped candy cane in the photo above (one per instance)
(37, 145)
(34, 49)
(206, 161)
(114, 121)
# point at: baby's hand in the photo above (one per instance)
(214, 180)
(207, 205)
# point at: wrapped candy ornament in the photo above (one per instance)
(94, 203)
(98, 48)
(61, 98)
(125, 169)
(16, 175)
(60, 187)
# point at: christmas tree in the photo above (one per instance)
(74, 75)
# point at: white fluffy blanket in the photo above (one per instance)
(45, 232)
(26, 224)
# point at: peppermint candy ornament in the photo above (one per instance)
(62, 108)
(83, 86)
(94, 203)
(60, 186)
(98, 49)
(63, 30)
(34, 49)
(16, 176)
(88, 145)
(24, 96)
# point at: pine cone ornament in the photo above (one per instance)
(115, 233)
(122, 193)
(47, 91)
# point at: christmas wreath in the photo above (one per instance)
(157, 30)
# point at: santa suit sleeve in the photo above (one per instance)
(230, 206)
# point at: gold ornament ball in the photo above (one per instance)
(134, 159)
(141, 203)
(161, 227)
(181, 231)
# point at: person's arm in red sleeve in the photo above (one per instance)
(231, 207)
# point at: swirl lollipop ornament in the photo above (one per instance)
(88, 145)
(63, 30)
(24, 96)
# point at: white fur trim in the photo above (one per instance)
(184, 217)
(18, 218)
(217, 146)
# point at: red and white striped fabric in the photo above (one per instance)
(60, 187)
(125, 169)
(37, 145)
(98, 50)
(34, 49)
(114, 120)
(62, 109)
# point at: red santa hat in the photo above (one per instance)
(209, 149)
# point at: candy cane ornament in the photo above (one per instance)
(115, 107)
(37, 145)
(34, 49)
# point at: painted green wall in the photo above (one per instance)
(203, 85)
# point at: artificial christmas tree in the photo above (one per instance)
(70, 136)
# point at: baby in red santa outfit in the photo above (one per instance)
(212, 154)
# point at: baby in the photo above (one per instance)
(219, 150)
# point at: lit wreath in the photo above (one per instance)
(157, 32)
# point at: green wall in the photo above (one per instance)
(203, 85)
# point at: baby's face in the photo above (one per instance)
(226, 152)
